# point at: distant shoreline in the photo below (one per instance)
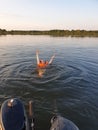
(56, 32)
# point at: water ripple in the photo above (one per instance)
(25, 71)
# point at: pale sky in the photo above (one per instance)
(48, 14)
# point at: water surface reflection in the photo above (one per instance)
(71, 80)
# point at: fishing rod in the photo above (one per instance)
(31, 115)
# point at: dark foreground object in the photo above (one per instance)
(61, 123)
(13, 117)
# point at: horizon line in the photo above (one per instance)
(49, 29)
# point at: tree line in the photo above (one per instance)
(67, 33)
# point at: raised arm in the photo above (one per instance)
(37, 57)
(51, 59)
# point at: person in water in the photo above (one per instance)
(41, 63)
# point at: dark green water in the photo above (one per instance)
(70, 83)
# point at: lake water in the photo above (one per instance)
(69, 85)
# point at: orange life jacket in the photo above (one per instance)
(42, 65)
